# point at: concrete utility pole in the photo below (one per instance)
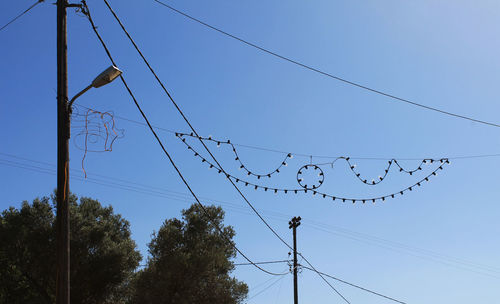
(293, 224)
(63, 133)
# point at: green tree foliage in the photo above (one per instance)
(103, 256)
(190, 262)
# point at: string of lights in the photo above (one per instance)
(86, 12)
(237, 156)
(380, 178)
(21, 14)
(316, 70)
(316, 166)
(309, 156)
(313, 188)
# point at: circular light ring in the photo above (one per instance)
(316, 184)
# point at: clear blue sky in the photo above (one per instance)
(437, 244)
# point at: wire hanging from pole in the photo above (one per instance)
(85, 10)
(21, 14)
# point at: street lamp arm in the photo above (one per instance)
(78, 95)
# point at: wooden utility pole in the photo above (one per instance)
(63, 133)
(293, 224)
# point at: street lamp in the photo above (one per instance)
(63, 134)
(102, 79)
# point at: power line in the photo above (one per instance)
(21, 14)
(172, 162)
(201, 141)
(424, 254)
(261, 263)
(188, 123)
(305, 155)
(267, 287)
(126, 185)
(308, 67)
(356, 286)
(42, 170)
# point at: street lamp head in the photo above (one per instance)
(106, 77)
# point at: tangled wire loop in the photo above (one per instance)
(95, 132)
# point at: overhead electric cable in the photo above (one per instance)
(260, 263)
(266, 288)
(21, 14)
(356, 286)
(121, 184)
(189, 124)
(473, 156)
(172, 162)
(308, 67)
(201, 141)
(323, 278)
